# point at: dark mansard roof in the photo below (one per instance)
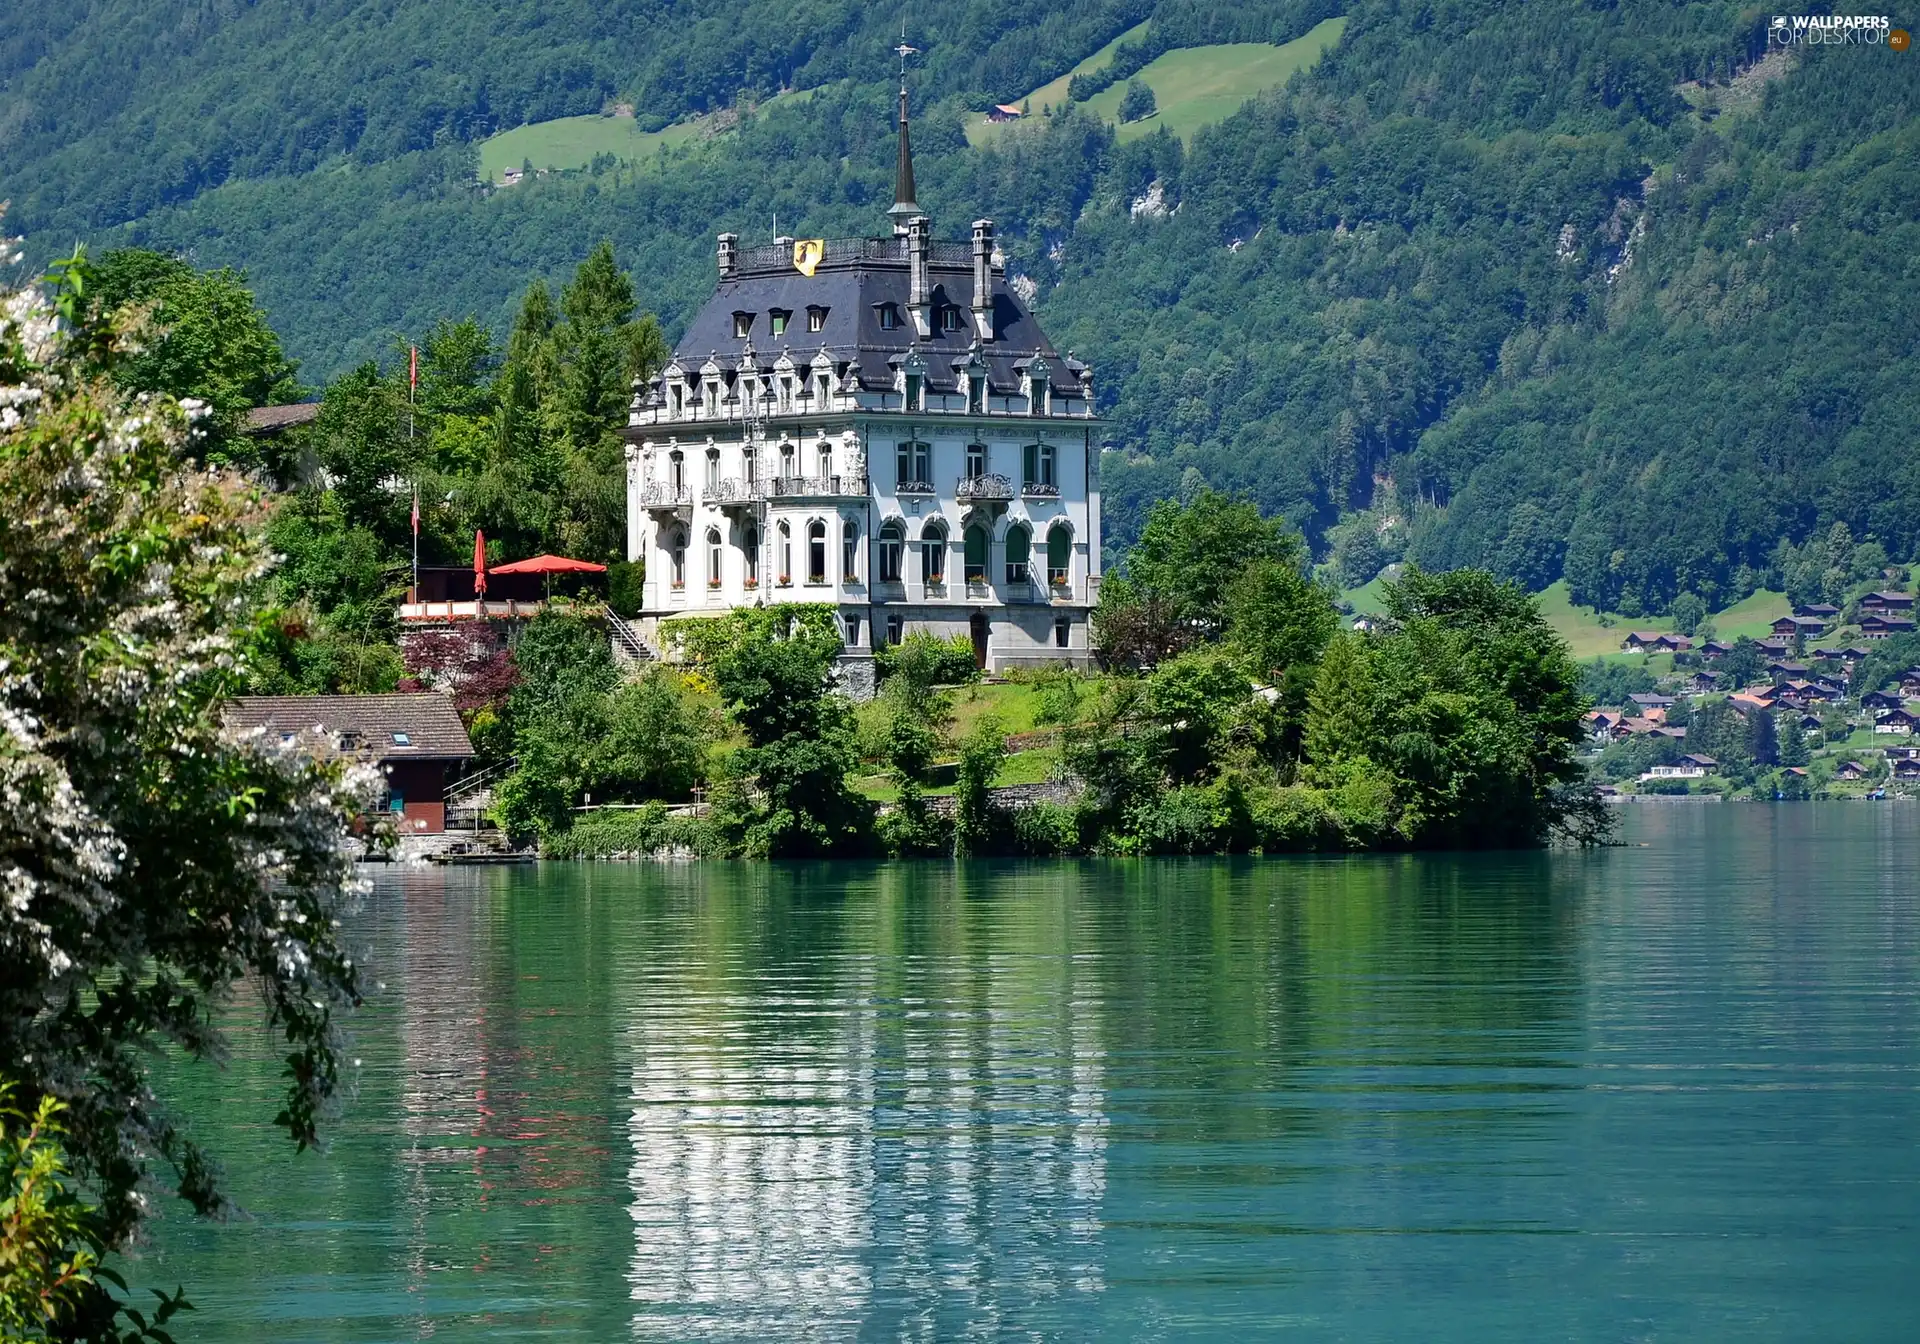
(857, 277)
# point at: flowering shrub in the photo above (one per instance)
(152, 860)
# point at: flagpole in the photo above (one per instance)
(413, 381)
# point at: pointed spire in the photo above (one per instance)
(904, 206)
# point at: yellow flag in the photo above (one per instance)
(808, 253)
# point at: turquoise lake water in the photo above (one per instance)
(1669, 1091)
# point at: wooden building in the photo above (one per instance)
(416, 739)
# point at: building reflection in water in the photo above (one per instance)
(907, 1141)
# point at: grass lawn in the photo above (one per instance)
(1028, 767)
(1198, 86)
(1051, 94)
(574, 142)
(1014, 704)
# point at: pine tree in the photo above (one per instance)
(1340, 714)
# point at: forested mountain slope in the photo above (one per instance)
(1539, 285)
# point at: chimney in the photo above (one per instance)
(729, 254)
(983, 278)
(919, 282)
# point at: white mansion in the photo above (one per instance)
(878, 423)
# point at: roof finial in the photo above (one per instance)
(904, 206)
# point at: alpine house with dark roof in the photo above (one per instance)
(878, 423)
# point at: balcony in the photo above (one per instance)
(817, 487)
(1040, 490)
(662, 497)
(983, 489)
(736, 494)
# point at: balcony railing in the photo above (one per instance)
(914, 488)
(1040, 490)
(736, 490)
(661, 495)
(983, 487)
(479, 610)
(815, 487)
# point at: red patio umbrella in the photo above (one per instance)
(479, 562)
(550, 564)
(547, 566)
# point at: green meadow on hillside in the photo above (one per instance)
(1588, 637)
(1200, 86)
(1194, 86)
(1051, 94)
(575, 142)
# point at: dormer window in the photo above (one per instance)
(889, 315)
(777, 320)
(950, 318)
(914, 391)
(742, 326)
(1037, 394)
(977, 392)
(816, 318)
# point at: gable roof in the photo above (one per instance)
(273, 419)
(427, 718)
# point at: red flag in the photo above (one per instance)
(479, 561)
(416, 510)
(413, 366)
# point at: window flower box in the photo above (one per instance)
(678, 584)
(751, 583)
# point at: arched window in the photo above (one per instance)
(677, 558)
(750, 551)
(850, 552)
(893, 547)
(1059, 554)
(976, 554)
(713, 557)
(933, 553)
(816, 552)
(1019, 543)
(786, 554)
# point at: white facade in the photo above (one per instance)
(972, 513)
